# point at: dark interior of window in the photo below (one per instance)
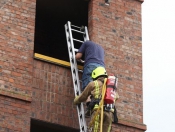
(42, 126)
(51, 16)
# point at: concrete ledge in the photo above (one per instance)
(14, 94)
(140, 0)
(132, 124)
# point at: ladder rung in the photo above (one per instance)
(77, 31)
(80, 70)
(78, 40)
(76, 50)
(75, 26)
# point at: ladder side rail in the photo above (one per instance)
(74, 70)
(67, 30)
(70, 48)
(86, 36)
(74, 62)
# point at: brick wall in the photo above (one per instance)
(14, 115)
(35, 89)
(16, 45)
(117, 28)
(17, 18)
(53, 95)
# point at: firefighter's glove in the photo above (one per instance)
(76, 102)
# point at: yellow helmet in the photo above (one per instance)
(99, 71)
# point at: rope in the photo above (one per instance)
(100, 108)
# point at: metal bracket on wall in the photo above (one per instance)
(107, 2)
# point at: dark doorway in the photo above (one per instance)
(41, 126)
(51, 16)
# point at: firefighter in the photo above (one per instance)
(94, 57)
(94, 88)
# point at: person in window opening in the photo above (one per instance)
(93, 58)
(110, 113)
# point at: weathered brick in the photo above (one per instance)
(117, 28)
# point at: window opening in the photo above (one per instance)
(51, 16)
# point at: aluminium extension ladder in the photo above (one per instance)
(74, 69)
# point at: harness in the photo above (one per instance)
(94, 104)
(98, 107)
(109, 107)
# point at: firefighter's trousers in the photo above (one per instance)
(107, 121)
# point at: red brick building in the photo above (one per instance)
(36, 90)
